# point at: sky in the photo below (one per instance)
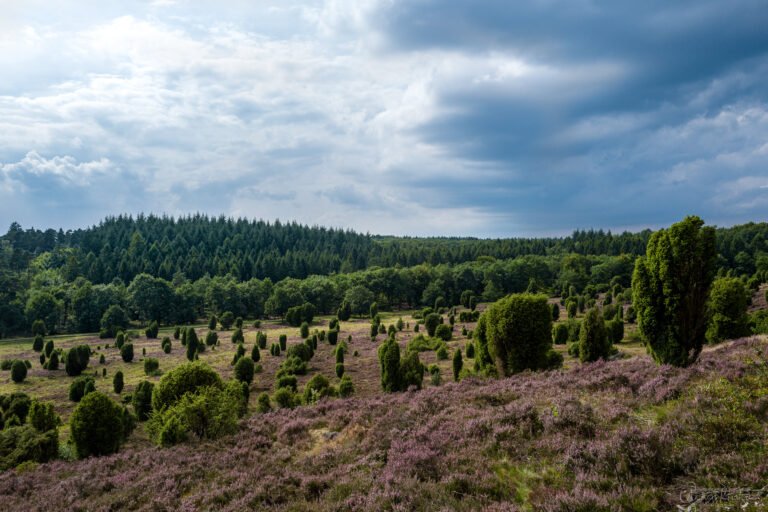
(484, 118)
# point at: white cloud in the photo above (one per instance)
(65, 168)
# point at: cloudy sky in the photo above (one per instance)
(452, 117)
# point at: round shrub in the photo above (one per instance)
(284, 398)
(263, 403)
(301, 351)
(38, 328)
(237, 336)
(186, 378)
(118, 382)
(339, 369)
(316, 388)
(177, 333)
(226, 320)
(37, 344)
(442, 353)
(151, 365)
(239, 353)
(18, 371)
(519, 333)
(304, 330)
(97, 426)
(211, 338)
(333, 337)
(346, 388)
(244, 370)
(212, 323)
(444, 332)
(255, 354)
(48, 348)
(411, 371)
(80, 387)
(127, 352)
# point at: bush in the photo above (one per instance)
(193, 344)
(631, 315)
(434, 374)
(118, 382)
(339, 370)
(444, 332)
(97, 426)
(292, 366)
(53, 362)
(316, 388)
(226, 320)
(442, 353)
(244, 370)
(211, 338)
(239, 353)
(208, 413)
(255, 354)
(670, 288)
(615, 330)
(284, 398)
(431, 321)
(301, 351)
(345, 311)
(457, 364)
(212, 323)
(346, 388)
(287, 381)
(77, 360)
(239, 322)
(80, 387)
(113, 320)
(38, 328)
(594, 343)
(43, 417)
(389, 361)
(560, 334)
(263, 403)
(339, 355)
(18, 371)
(411, 371)
(48, 350)
(142, 400)
(152, 330)
(120, 339)
(127, 352)
(519, 333)
(24, 443)
(177, 333)
(151, 365)
(304, 330)
(470, 350)
(333, 337)
(555, 312)
(186, 378)
(237, 336)
(416, 327)
(728, 302)
(37, 343)
(261, 340)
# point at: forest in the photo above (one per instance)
(197, 265)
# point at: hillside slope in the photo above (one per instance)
(621, 435)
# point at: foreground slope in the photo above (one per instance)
(620, 435)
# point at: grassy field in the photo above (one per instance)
(363, 368)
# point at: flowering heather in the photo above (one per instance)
(619, 435)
